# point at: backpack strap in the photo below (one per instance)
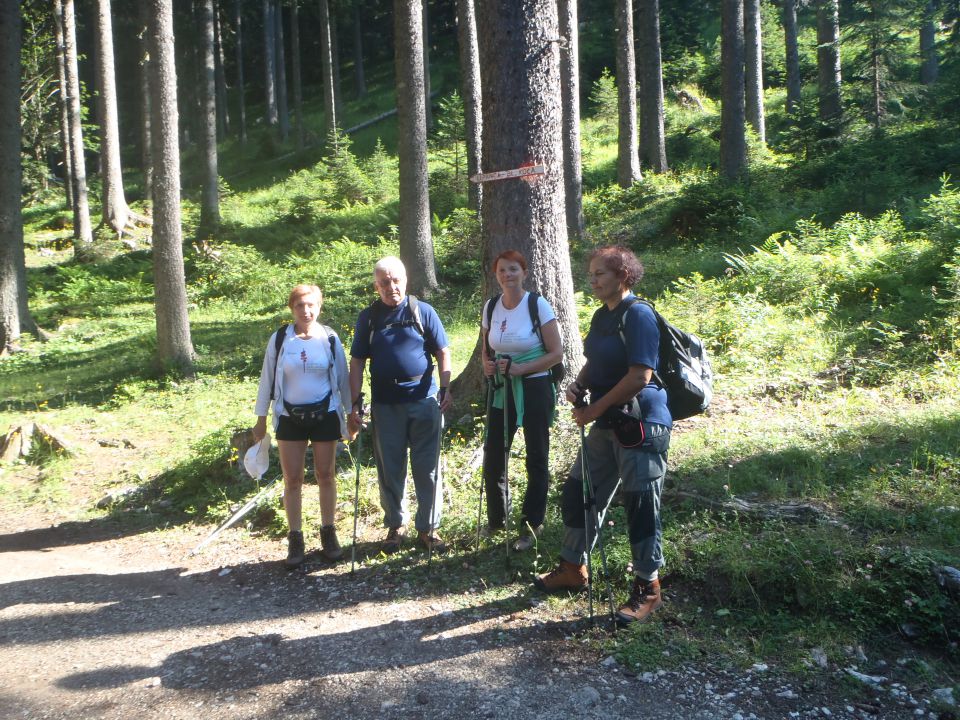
(278, 339)
(378, 309)
(491, 304)
(622, 327)
(533, 307)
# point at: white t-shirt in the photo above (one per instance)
(306, 370)
(511, 331)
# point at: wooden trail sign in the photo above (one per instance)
(524, 171)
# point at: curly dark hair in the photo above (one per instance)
(620, 260)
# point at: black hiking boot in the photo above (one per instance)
(295, 550)
(331, 549)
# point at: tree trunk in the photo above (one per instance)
(523, 122)
(570, 99)
(359, 80)
(241, 86)
(753, 67)
(653, 144)
(283, 109)
(793, 56)
(335, 52)
(297, 81)
(876, 73)
(828, 61)
(326, 67)
(929, 65)
(223, 114)
(628, 159)
(428, 105)
(146, 141)
(13, 285)
(115, 212)
(210, 194)
(174, 347)
(62, 103)
(82, 230)
(269, 63)
(733, 141)
(470, 89)
(416, 243)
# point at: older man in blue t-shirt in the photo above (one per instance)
(401, 337)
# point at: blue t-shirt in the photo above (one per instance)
(401, 360)
(608, 358)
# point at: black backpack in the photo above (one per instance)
(558, 371)
(685, 371)
(378, 310)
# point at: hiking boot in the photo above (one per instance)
(295, 550)
(644, 599)
(394, 540)
(331, 546)
(565, 576)
(432, 540)
(488, 531)
(527, 540)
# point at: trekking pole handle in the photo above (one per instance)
(358, 406)
(579, 393)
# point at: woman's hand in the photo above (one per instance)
(585, 415)
(489, 367)
(260, 429)
(507, 368)
(576, 393)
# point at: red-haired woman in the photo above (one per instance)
(630, 435)
(305, 379)
(522, 343)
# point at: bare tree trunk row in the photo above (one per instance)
(82, 230)
(733, 142)
(470, 89)
(753, 67)
(653, 144)
(628, 159)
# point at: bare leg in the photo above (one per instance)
(292, 454)
(324, 465)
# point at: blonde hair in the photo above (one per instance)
(303, 290)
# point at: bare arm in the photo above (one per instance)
(443, 366)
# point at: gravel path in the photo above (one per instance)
(96, 624)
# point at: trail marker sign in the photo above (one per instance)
(524, 171)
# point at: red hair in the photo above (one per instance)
(302, 290)
(513, 255)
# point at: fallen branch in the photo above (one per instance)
(794, 512)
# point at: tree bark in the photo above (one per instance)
(115, 212)
(359, 80)
(269, 63)
(416, 243)
(470, 90)
(210, 193)
(792, 48)
(174, 346)
(146, 140)
(733, 142)
(62, 103)
(570, 99)
(297, 80)
(283, 110)
(241, 85)
(523, 122)
(12, 263)
(82, 230)
(929, 64)
(828, 61)
(427, 104)
(335, 52)
(653, 143)
(628, 158)
(326, 67)
(753, 67)
(223, 113)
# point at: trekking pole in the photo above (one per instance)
(486, 433)
(356, 486)
(506, 459)
(437, 487)
(250, 505)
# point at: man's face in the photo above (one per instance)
(392, 286)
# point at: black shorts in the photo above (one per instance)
(322, 431)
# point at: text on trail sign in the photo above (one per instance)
(520, 172)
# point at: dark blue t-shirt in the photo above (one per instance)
(608, 359)
(401, 361)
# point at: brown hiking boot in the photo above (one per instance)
(644, 599)
(295, 550)
(432, 540)
(331, 549)
(565, 576)
(394, 540)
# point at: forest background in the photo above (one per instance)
(811, 238)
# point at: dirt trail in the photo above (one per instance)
(96, 624)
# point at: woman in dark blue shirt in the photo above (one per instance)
(618, 392)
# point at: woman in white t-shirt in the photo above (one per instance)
(305, 379)
(517, 360)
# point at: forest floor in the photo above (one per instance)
(106, 618)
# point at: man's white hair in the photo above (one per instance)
(390, 264)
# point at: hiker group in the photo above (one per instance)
(316, 396)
